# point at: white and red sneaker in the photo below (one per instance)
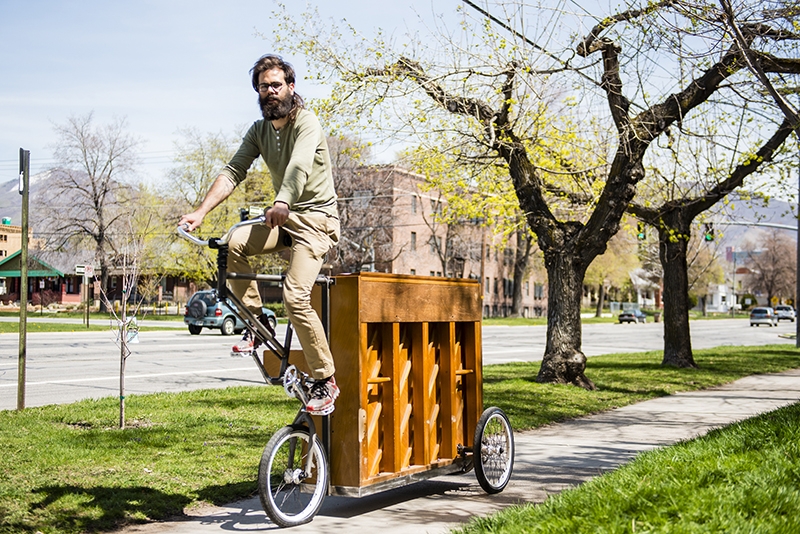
(244, 347)
(322, 395)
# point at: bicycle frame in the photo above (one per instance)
(281, 350)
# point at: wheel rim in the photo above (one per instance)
(289, 495)
(228, 327)
(496, 449)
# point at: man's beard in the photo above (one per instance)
(274, 107)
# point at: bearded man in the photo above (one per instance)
(303, 217)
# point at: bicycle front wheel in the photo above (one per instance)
(291, 487)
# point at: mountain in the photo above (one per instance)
(11, 200)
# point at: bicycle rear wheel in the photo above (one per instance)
(493, 450)
(290, 495)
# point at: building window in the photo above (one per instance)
(414, 204)
(433, 273)
(495, 286)
(414, 240)
(413, 271)
(487, 285)
(527, 289)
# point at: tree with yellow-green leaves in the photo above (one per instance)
(697, 170)
(486, 89)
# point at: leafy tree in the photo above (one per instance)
(490, 84)
(673, 205)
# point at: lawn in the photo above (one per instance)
(742, 478)
(67, 468)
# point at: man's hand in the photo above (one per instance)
(276, 215)
(191, 220)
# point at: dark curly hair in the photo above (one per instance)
(273, 61)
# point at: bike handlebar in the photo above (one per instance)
(225, 238)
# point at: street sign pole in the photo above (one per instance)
(24, 179)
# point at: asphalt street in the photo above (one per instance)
(65, 367)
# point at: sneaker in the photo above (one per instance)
(245, 347)
(322, 395)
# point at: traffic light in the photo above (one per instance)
(640, 231)
(708, 235)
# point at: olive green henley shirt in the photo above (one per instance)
(298, 161)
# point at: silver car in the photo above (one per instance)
(785, 313)
(763, 315)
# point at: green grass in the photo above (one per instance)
(70, 469)
(67, 468)
(742, 478)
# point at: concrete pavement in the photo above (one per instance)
(547, 461)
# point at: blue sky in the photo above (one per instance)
(162, 65)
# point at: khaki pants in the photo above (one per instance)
(312, 234)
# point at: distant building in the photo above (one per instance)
(46, 284)
(10, 238)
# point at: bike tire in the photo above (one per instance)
(288, 495)
(493, 450)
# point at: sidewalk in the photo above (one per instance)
(547, 461)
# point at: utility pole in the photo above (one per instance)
(797, 272)
(24, 179)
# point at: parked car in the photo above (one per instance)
(632, 316)
(763, 315)
(204, 311)
(785, 313)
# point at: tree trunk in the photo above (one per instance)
(521, 259)
(673, 242)
(601, 297)
(563, 362)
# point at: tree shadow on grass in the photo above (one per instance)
(71, 508)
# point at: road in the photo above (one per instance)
(65, 367)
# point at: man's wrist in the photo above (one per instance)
(280, 202)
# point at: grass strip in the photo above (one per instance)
(67, 468)
(741, 478)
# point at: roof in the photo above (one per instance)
(10, 267)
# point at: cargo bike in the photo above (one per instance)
(408, 357)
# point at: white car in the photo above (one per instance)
(784, 312)
(763, 315)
